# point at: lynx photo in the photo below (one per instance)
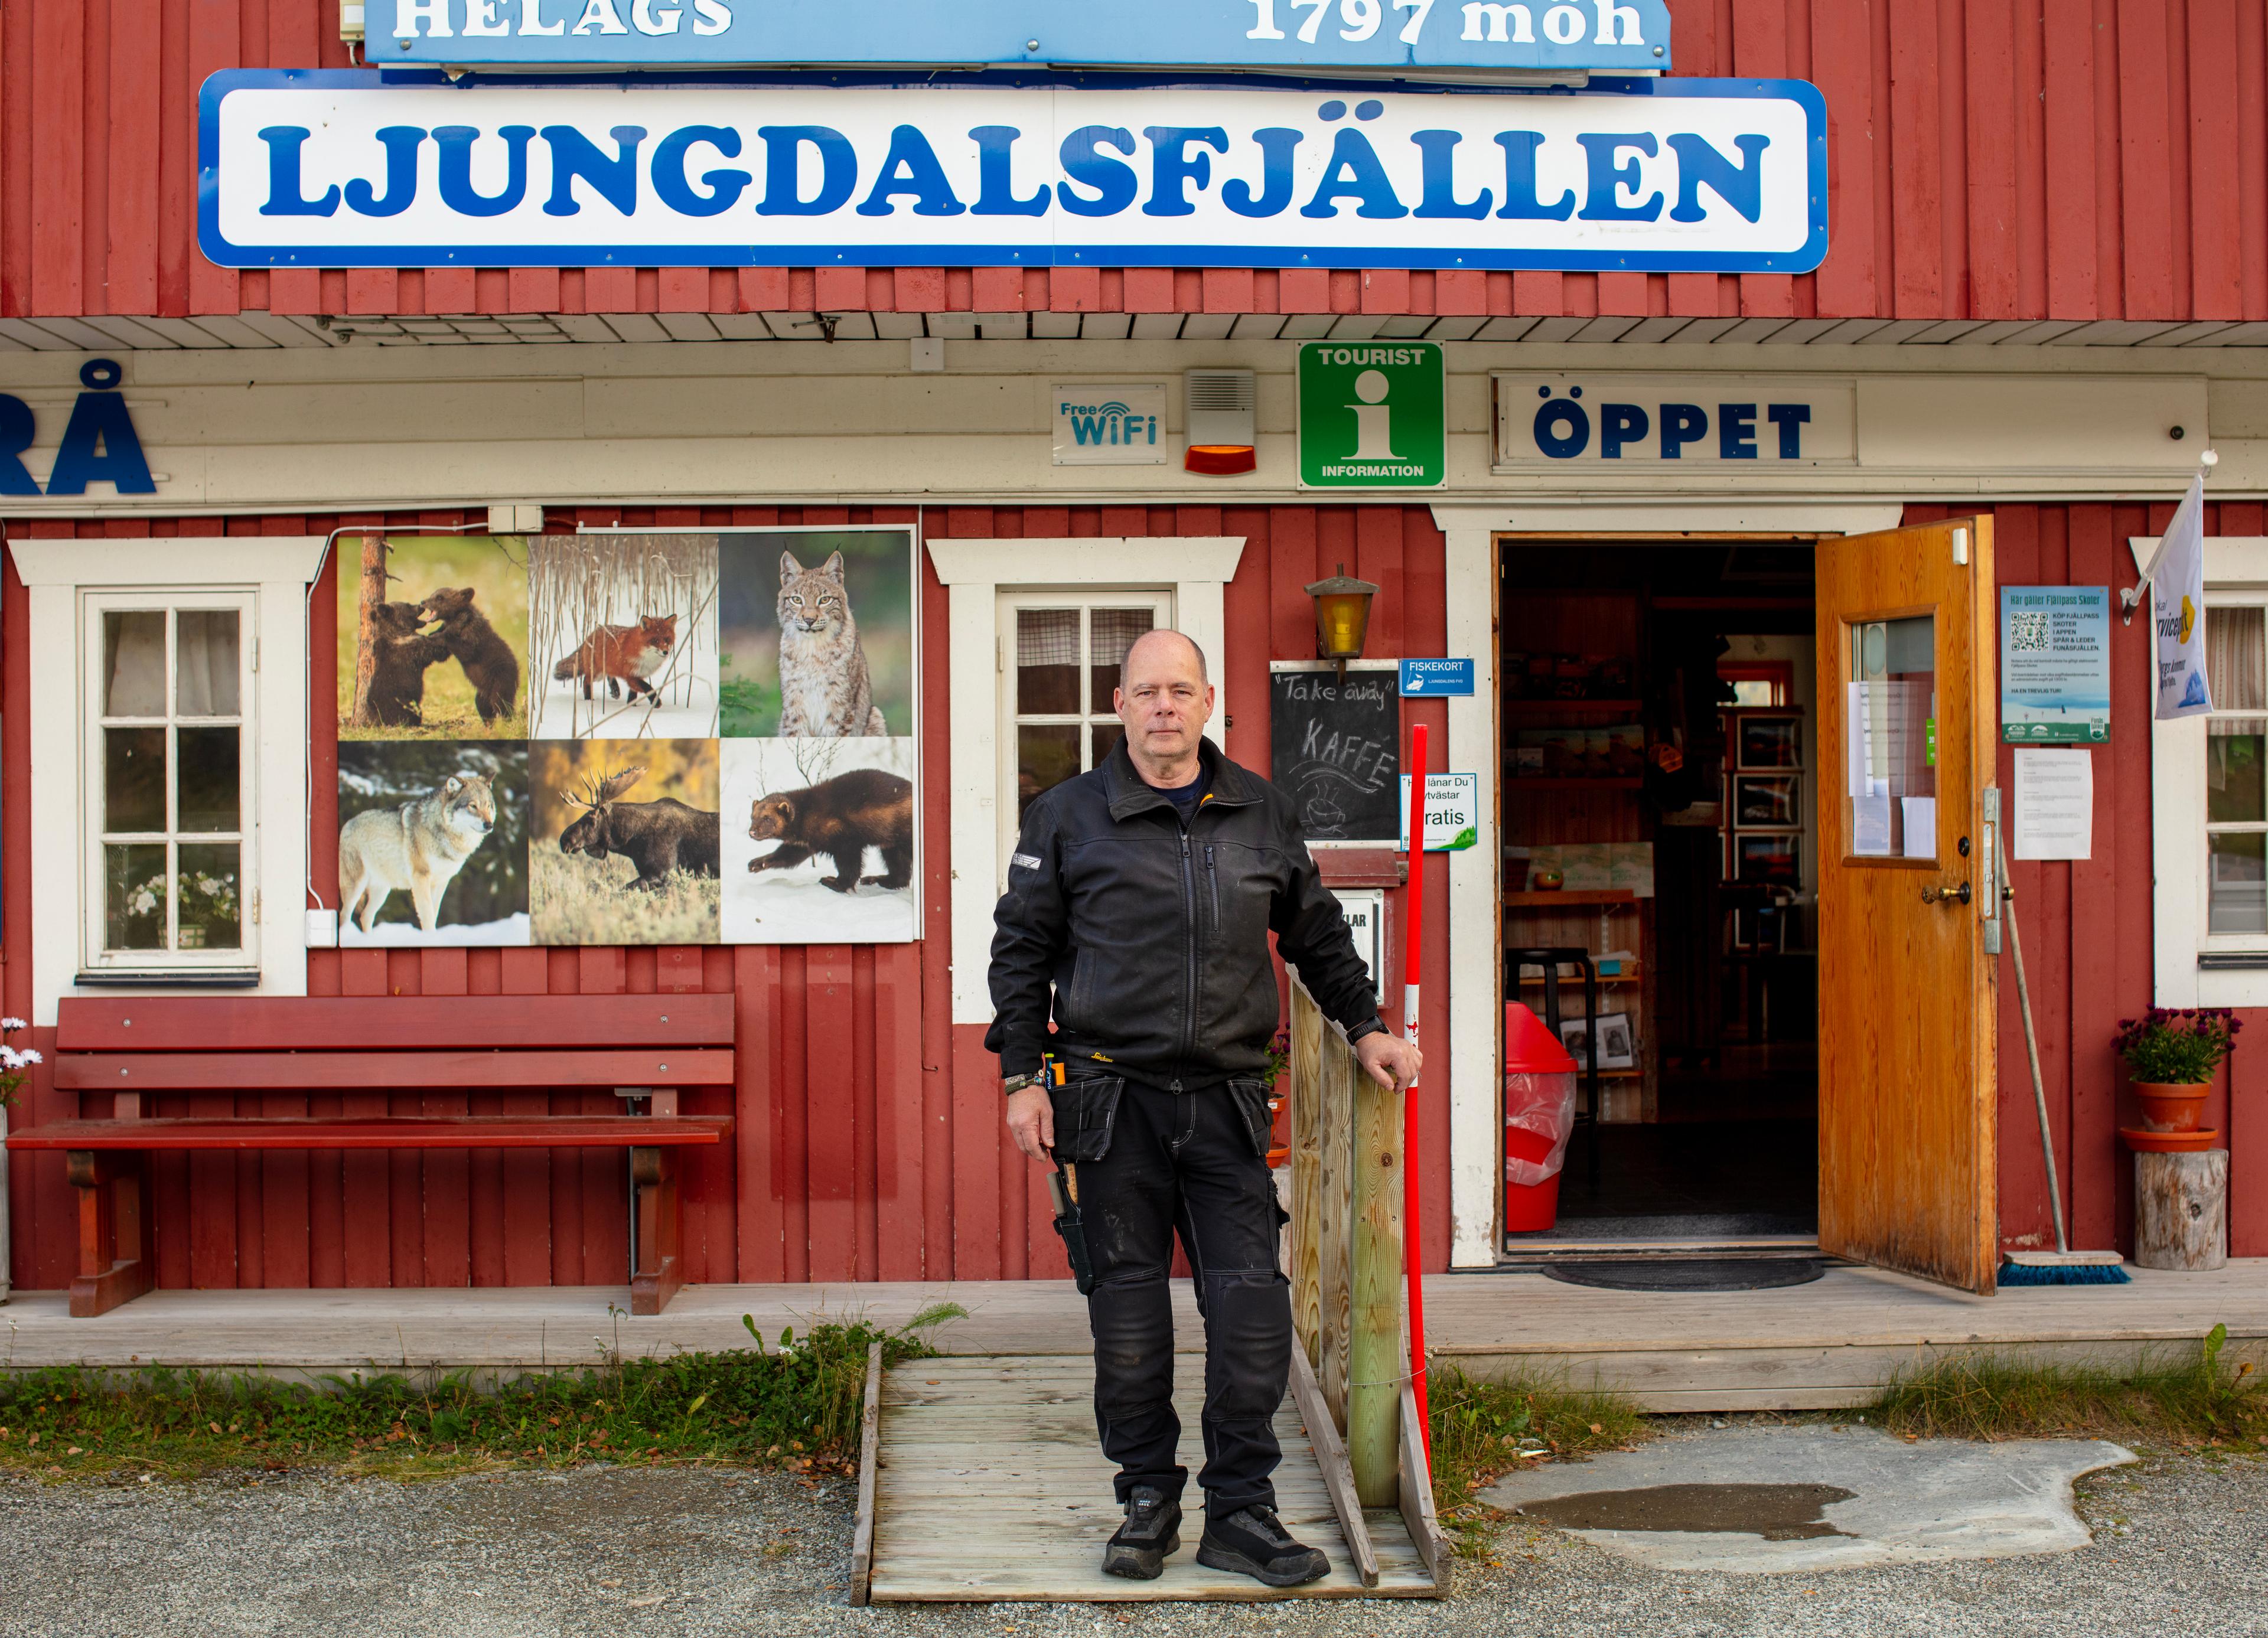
(432, 843)
(816, 625)
(819, 842)
(623, 846)
(432, 637)
(623, 630)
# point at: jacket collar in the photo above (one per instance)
(1132, 794)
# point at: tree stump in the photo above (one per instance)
(2180, 1210)
(369, 594)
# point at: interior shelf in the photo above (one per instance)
(1569, 781)
(1559, 708)
(1591, 896)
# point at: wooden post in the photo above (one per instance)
(1374, 1347)
(1335, 1247)
(2180, 1210)
(1304, 1253)
(372, 593)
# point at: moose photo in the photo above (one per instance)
(623, 849)
(624, 629)
(432, 843)
(432, 637)
(829, 852)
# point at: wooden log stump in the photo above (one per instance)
(2180, 1210)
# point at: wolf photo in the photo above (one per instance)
(817, 632)
(432, 843)
(432, 637)
(623, 846)
(819, 842)
(623, 627)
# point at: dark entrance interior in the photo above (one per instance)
(1659, 778)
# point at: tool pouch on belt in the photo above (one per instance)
(1061, 1186)
(1086, 1108)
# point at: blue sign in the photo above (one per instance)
(1564, 35)
(347, 169)
(100, 444)
(1436, 677)
(2055, 664)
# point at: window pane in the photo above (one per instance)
(1047, 661)
(1754, 691)
(2237, 658)
(210, 778)
(1105, 739)
(1890, 735)
(134, 897)
(2236, 897)
(210, 916)
(134, 779)
(134, 663)
(205, 671)
(2233, 791)
(1115, 631)
(1046, 755)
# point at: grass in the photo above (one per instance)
(2177, 1397)
(461, 721)
(795, 1403)
(576, 900)
(1483, 1428)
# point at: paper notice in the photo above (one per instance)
(2055, 803)
(1920, 815)
(1870, 825)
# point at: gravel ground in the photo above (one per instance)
(2181, 1547)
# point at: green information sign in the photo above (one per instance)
(1372, 415)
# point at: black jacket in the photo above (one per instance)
(1155, 940)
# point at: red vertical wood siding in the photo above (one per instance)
(1989, 160)
(868, 1142)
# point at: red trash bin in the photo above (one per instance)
(1539, 1114)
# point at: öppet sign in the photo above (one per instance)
(341, 168)
(1372, 415)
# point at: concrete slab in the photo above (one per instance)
(1779, 1500)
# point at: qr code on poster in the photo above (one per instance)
(2028, 634)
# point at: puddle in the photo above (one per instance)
(1775, 1512)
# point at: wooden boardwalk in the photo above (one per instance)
(989, 1486)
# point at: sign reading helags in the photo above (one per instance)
(343, 169)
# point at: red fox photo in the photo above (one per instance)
(623, 630)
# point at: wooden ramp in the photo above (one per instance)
(983, 1482)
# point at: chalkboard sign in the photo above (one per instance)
(1335, 749)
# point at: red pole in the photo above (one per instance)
(1413, 946)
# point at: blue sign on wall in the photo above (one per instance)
(1315, 34)
(1436, 677)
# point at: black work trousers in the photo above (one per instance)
(1150, 1164)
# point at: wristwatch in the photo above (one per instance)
(1011, 1085)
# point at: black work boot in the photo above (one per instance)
(1150, 1536)
(1252, 1542)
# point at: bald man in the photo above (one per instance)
(1140, 899)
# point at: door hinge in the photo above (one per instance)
(255, 905)
(1000, 656)
(255, 655)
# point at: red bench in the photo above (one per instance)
(141, 1050)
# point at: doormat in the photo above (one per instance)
(1691, 1273)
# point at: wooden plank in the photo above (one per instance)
(1331, 1457)
(407, 1072)
(1337, 1207)
(1305, 1227)
(403, 1132)
(314, 1022)
(870, 1462)
(1374, 1339)
(1417, 1499)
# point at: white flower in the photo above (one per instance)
(13, 1024)
(144, 902)
(29, 1056)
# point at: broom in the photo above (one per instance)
(2062, 1266)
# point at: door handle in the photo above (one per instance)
(1946, 895)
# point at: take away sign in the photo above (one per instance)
(343, 169)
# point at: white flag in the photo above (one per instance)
(2177, 609)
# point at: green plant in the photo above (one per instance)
(14, 1063)
(2178, 1048)
(1482, 1428)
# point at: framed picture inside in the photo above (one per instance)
(1767, 801)
(1618, 1045)
(1768, 860)
(1769, 741)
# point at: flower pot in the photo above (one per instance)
(2173, 1107)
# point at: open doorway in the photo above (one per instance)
(1658, 815)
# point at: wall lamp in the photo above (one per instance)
(1342, 617)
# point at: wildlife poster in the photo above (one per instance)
(432, 637)
(819, 843)
(433, 842)
(622, 842)
(817, 629)
(623, 628)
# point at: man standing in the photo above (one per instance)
(1140, 898)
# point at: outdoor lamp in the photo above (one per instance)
(1341, 616)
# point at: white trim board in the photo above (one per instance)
(1196, 568)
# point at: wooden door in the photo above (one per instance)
(1909, 900)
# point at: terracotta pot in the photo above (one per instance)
(2171, 1107)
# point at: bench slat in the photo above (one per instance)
(406, 1071)
(389, 1023)
(408, 1132)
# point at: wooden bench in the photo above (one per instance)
(141, 1050)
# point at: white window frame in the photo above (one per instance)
(65, 579)
(1086, 599)
(1198, 568)
(94, 605)
(2236, 574)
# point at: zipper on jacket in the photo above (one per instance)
(1190, 954)
(1212, 881)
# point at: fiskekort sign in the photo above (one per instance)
(1532, 34)
(341, 168)
(1372, 415)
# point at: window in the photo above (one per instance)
(2235, 806)
(1063, 656)
(1758, 683)
(170, 762)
